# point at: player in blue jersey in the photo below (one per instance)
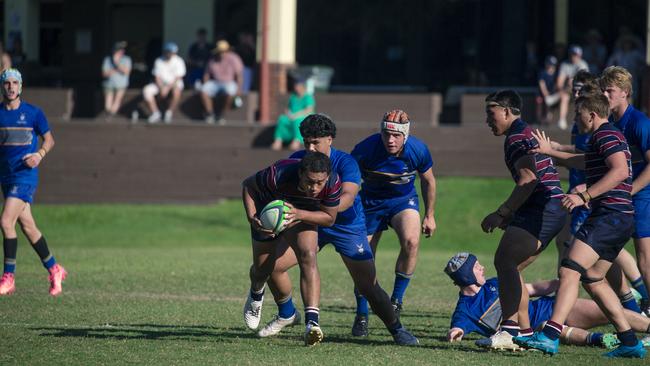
(389, 163)
(21, 125)
(478, 309)
(601, 237)
(312, 191)
(347, 235)
(616, 83)
(531, 216)
(586, 83)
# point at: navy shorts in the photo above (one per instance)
(24, 192)
(351, 242)
(379, 212)
(544, 223)
(641, 218)
(606, 232)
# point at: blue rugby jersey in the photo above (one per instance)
(19, 131)
(519, 141)
(636, 129)
(389, 176)
(580, 141)
(280, 182)
(348, 170)
(482, 314)
(605, 141)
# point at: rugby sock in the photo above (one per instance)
(10, 247)
(629, 302)
(362, 303)
(627, 338)
(552, 330)
(286, 309)
(395, 327)
(640, 287)
(510, 326)
(44, 253)
(311, 314)
(595, 339)
(401, 283)
(526, 332)
(257, 295)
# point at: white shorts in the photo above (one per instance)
(151, 90)
(552, 99)
(212, 88)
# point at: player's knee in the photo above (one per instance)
(504, 263)
(411, 245)
(7, 224)
(308, 257)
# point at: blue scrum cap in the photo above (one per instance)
(11, 73)
(461, 269)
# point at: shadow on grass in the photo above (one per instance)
(343, 309)
(149, 332)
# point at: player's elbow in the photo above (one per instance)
(527, 179)
(330, 220)
(621, 173)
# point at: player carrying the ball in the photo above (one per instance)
(347, 235)
(312, 192)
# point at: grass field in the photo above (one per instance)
(166, 284)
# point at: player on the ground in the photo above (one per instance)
(478, 309)
(21, 124)
(616, 83)
(312, 191)
(602, 236)
(531, 216)
(348, 235)
(389, 162)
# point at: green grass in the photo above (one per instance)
(165, 285)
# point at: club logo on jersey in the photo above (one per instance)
(360, 248)
(21, 120)
(411, 201)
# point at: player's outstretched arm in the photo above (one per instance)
(428, 185)
(455, 335)
(562, 156)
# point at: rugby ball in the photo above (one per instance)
(272, 216)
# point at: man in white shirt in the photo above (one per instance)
(569, 69)
(168, 71)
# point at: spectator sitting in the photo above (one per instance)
(564, 84)
(197, 57)
(548, 96)
(223, 77)
(115, 70)
(301, 104)
(168, 72)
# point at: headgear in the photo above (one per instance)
(461, 269)
(12, 73)
(396, 121)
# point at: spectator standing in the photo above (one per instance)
(246, 50)
(595, 52)
(116, 69)
(223, 78)
(197, 57)
(168, 72)
(17, 54)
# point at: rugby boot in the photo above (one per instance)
(501, 341)
(404, 338)
(253, 312)
(540, 342)
(313, 334)
(360, 326)
(277, 324)
(7, 284)
(636, 351)
(57, 275)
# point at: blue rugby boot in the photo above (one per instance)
(636, 351)
(538, 341)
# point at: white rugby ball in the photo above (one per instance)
(273, 216)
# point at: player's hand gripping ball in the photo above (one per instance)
(273, 215)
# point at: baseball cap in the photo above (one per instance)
(575, 50)
(120, 45)
(550, 60)
(170, 47)
(221, 46)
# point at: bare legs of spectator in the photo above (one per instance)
(564, 110)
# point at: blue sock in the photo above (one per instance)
(510, 326)
(401, 283)
(640, 287)
(311, 315)
(627, 338)
(44, 253)
(286, 309)
(362, 303)
(629, 302)
(552, 330)
(595, 339)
